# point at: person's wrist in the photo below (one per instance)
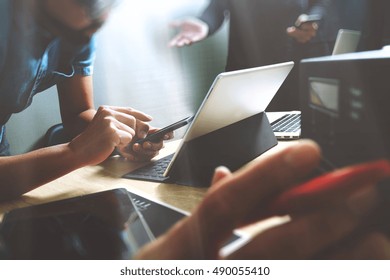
(78, 157)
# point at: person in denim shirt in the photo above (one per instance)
(50, 42)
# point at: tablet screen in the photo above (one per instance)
(104, 225)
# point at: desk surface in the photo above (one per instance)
(107, 175)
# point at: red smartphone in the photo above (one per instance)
(309, 194)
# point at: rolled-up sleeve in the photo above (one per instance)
(84, 61)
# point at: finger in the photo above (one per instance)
(142, 129)
(306, 27)
(128, 117)
(184, 41)
(124, 120)
(179, 42)
(306, 237)
(114, 122)
(148, 146)
(124, 115)
(144, 152)
(175, 42)
(169, 135)
(130, 111)
(220, 173)
(124, 134)
(295, 33)
(307, 30)
(139, 157)
(216, 217)
(124, 138)
(298, 34)
(291, 31)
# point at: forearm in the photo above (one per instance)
(319, 7)
(22, 173)
(76, 103)
(77, 123)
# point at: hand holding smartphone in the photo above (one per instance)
(159, 134)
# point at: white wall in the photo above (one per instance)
(135, 67)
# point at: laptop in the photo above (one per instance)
(287, 125)
(227, 112)
(347, 41)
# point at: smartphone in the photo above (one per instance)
(159, 134)
(306, 19)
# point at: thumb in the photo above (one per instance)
(220, 173)
(290, 29)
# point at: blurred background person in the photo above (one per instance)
(262, 32)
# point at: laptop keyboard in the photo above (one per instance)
(287, 123)
(152, 172)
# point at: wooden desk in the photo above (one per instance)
(107, 175)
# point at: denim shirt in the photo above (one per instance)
(31, 60)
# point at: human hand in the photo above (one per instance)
(191, 30)
(144, 151)
(307, 235)
(325, 234)
(200, 236)
(112, 127)
(305, 30)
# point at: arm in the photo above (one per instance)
(192, 30)
(76, 103)
(308, 31)
(22, 173)
(77, 112)
(214, 15)
(111, 127)
(319, 7)
(98, 134)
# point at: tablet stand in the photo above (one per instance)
(231, 146)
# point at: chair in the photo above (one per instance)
(56, 135)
